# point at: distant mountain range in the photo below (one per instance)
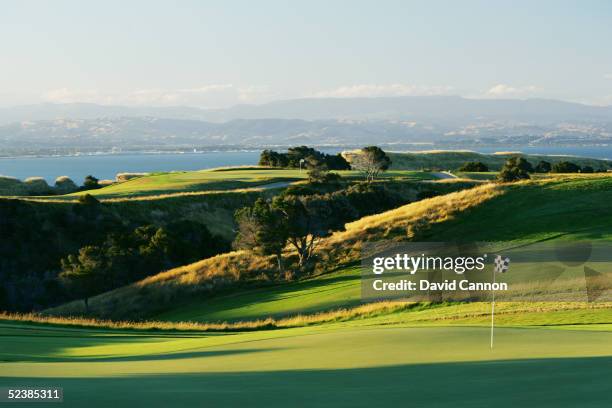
(316, 121)
(446, 108)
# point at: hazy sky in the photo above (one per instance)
(219, 53)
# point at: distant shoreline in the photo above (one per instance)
(416, 147)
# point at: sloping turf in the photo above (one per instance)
(325, 366)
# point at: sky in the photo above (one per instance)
(215, 54)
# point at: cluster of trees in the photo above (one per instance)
(110, 247)
(300, 221)
(371, 160)
(127, 256)
(297, 157)
(517, 168)
(569, 167)
(474, 166)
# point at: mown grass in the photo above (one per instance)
(490, 175)
(203, 180)
(339, 364)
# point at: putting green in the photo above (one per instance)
(331, 365)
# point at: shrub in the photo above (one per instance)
(88, 199)
(543, 167)
(11, 186)
(64, 185)
(90, 183)
(37, 186)
(587, 169)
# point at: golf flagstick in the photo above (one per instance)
(493, 311)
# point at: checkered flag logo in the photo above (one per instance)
(501, 264)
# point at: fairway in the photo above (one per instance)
(203, 180)
(225, 179)
(391, 364)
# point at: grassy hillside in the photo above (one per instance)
(569, 207)
(452, 160)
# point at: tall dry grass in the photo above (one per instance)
(363, 311)
(416, 313)
(403, 223)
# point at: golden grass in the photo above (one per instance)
(367, 310)
(407, 219)
(418, 313)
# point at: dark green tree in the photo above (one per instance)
(262, 228)
(273, 159)
(296, 154)
(565, 167)
(90, 183)
(307, 219)
(515, 168)
(86, 273)
(318, 172)
(474, 166)
(337, 162)
(299, 154)
(587, 169)
(543, 167)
